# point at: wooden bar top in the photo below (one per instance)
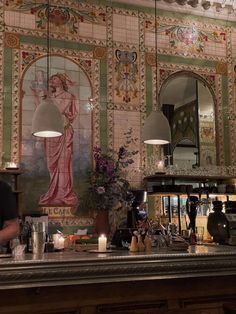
(63, 268)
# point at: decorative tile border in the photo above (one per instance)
(142, 64)
(231, 97)
(110, 101)
(96, 97)
(126, 12)
(144, 151)
(16, 108)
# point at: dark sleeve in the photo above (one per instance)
(8, 208)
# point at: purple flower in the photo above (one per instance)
(101, 190)
(122, 152)
(107, 185)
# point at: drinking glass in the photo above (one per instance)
(18, 251)
(199, 234)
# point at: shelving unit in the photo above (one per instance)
(168, 186)
(183, 184)
(12, 176)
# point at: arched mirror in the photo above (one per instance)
(189, 104)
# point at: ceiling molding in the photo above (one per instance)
(217, 9)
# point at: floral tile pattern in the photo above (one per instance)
(115, 47)
(62, 18)
(125, 76)
(186, 37)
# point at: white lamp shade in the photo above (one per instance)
(47, 120)
(156, 129)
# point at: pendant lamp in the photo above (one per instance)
(156, 129)
(47, 120)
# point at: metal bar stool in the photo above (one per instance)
(229, 308)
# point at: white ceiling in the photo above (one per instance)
(217, 9)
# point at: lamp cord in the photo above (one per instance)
(157, 107)
(48, 45)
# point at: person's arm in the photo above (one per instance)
(10, 230)
(9, 227)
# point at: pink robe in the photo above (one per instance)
(59, 151)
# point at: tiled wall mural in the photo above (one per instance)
(67, 157)
(190, 37)
(107, 53)
(126, 77)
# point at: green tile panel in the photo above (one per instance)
(55, 43)
(225, 106)
(103, 104)
(183, 60)
(148, 89)
(7, 103)
(149, 100)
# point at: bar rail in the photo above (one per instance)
(78, 268)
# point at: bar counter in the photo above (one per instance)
(199, 280)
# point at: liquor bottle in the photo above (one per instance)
(147, 243)
(141, 246)
(29, 239)
(134, 244)
(49, 244)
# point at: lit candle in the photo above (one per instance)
(11, 164)
(58, 241)
(61, 242)
(102, 243)
(160, 165)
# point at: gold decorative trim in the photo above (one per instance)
(150, 59)
(221, 68)
(12, 41)
(100, 53)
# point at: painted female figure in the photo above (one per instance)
(59, 150)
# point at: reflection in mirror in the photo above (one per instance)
(190, 107)
(185, 154)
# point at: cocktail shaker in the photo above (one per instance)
(38, 237)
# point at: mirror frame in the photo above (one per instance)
(172, 74)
